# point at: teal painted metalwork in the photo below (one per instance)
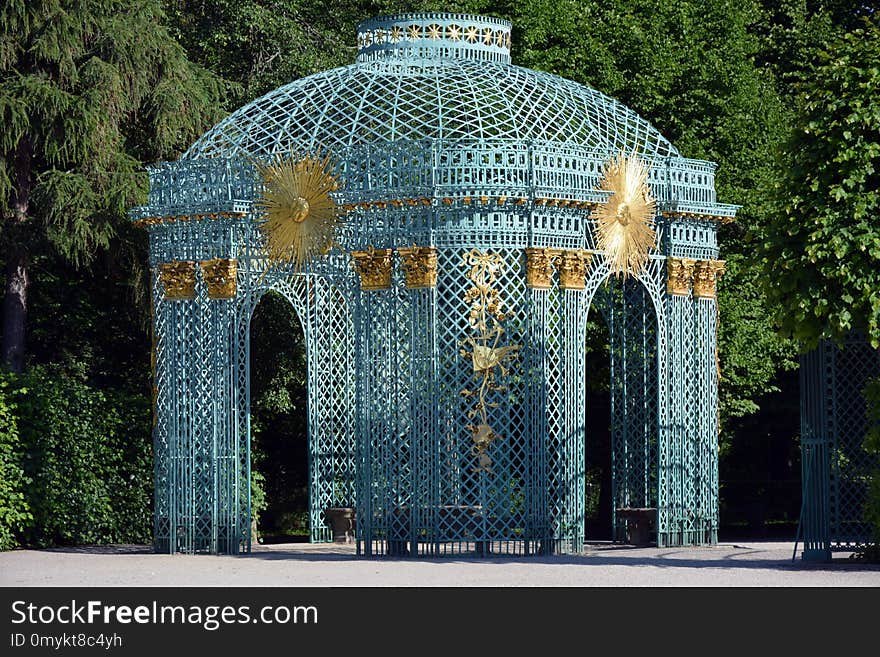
(835, 468)
(440, 142)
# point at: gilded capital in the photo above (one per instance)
(220, 277)
(572, 266)
(539, 267)
(374, 268)
(706, 275)
(679, 276)
(178, 279)
(419, 266)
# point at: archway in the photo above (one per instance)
(622, 431)
(279, 422)
(597, 428)
(318, 307)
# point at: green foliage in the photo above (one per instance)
(86, 457)
(14, 510)
(689, 68)
(750, 353)
(821, 246)
(261, 44)
(279, 420)
(87, 89)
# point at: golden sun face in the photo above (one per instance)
(301, 217)
(624, 232)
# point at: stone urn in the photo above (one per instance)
(342, 522)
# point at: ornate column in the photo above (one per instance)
(678, 452)
(707, 373)
(186, 460)
(217, 385)
(379, 397)
(541, 361)
(419, 265)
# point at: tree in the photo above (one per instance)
(263, 44)
(820, 249)
(88, 90)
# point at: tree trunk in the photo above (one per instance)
(15, 310)
(17, 280)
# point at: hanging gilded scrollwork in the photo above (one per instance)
(484, 349)
(624, 233)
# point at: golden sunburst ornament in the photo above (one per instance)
(623, 229)
(301, 217)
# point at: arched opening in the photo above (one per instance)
(279, 422)
(597, 455)
(622, 396)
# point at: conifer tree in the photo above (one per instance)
(89, 89)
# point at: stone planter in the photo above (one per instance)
(342, 522)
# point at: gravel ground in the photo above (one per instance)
(323, 565)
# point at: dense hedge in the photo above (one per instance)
(14, 510)
(76, 461)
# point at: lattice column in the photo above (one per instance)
(816, 391)
(382, 400)
(419, 265)
(163, 421)
(573, 267)
(189, 460)
(574, 411)
(705, 485)
(329, 337)
(705, 477)
(836, 467)
(542, 516)
(555, 461)
(219, 276)
(676, 448)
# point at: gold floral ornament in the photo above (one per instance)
(484, 350)
(624, 232)
(178, 279)
(301, 217)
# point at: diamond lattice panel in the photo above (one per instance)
(440, 99)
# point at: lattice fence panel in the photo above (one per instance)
(851, 466)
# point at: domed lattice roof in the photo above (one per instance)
(430, 76)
